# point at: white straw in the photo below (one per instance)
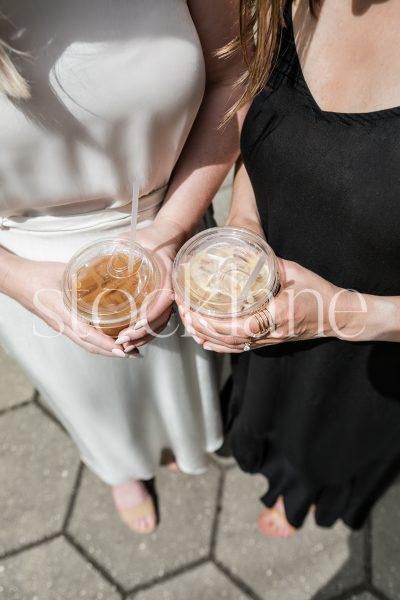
(134, 213)
(252, 277)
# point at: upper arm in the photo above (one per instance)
(217, 23)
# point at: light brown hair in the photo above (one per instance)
(261, 23)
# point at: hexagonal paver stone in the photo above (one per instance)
(52, 571)
(314, 561)
(187, 506)
(203, 583)
(15, 387)
(386, 543)
(37, 469)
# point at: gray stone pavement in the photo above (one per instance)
(60, 538)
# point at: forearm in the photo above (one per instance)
(206, 159)
(210, 150)
(10, 265)
(243, 211)
(386, 312)
(367, 318)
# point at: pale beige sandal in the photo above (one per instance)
(141, 518)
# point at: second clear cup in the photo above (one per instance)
(226, 272)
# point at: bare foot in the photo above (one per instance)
(168, 460)
(273, 523)
(135, 506)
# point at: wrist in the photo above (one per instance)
(347, 314)
(248, 223)
(169, 232)
(363, 317)
(10, 268)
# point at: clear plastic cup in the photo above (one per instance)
(212, 269)
(100, 289)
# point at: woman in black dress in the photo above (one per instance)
(320, 418)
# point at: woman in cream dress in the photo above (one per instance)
(107, 94)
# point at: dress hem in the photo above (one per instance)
(210, 449)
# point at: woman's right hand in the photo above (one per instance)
(38, 287)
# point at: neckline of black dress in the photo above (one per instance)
(343, 116)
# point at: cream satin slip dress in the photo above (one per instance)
(116, 86)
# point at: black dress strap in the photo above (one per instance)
(286, 64)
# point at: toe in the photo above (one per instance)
(150, 523)
(145, 524)
(140, 525)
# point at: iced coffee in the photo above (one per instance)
(226, 272)
(108, 284)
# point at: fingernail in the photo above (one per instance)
(134, 356)
(190, 330)
(206, 346)
(123, 339)
(203, 322)
(141, 323)
(129, 348)
(181, 310)
(118, 352)
(197, 339)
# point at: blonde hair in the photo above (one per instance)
(12, 83)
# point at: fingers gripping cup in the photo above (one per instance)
(226, 272)
(104, 288)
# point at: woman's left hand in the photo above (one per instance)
(307, 307)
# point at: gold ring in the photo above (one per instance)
(270, 321)
(264, 326)
(265, 323)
